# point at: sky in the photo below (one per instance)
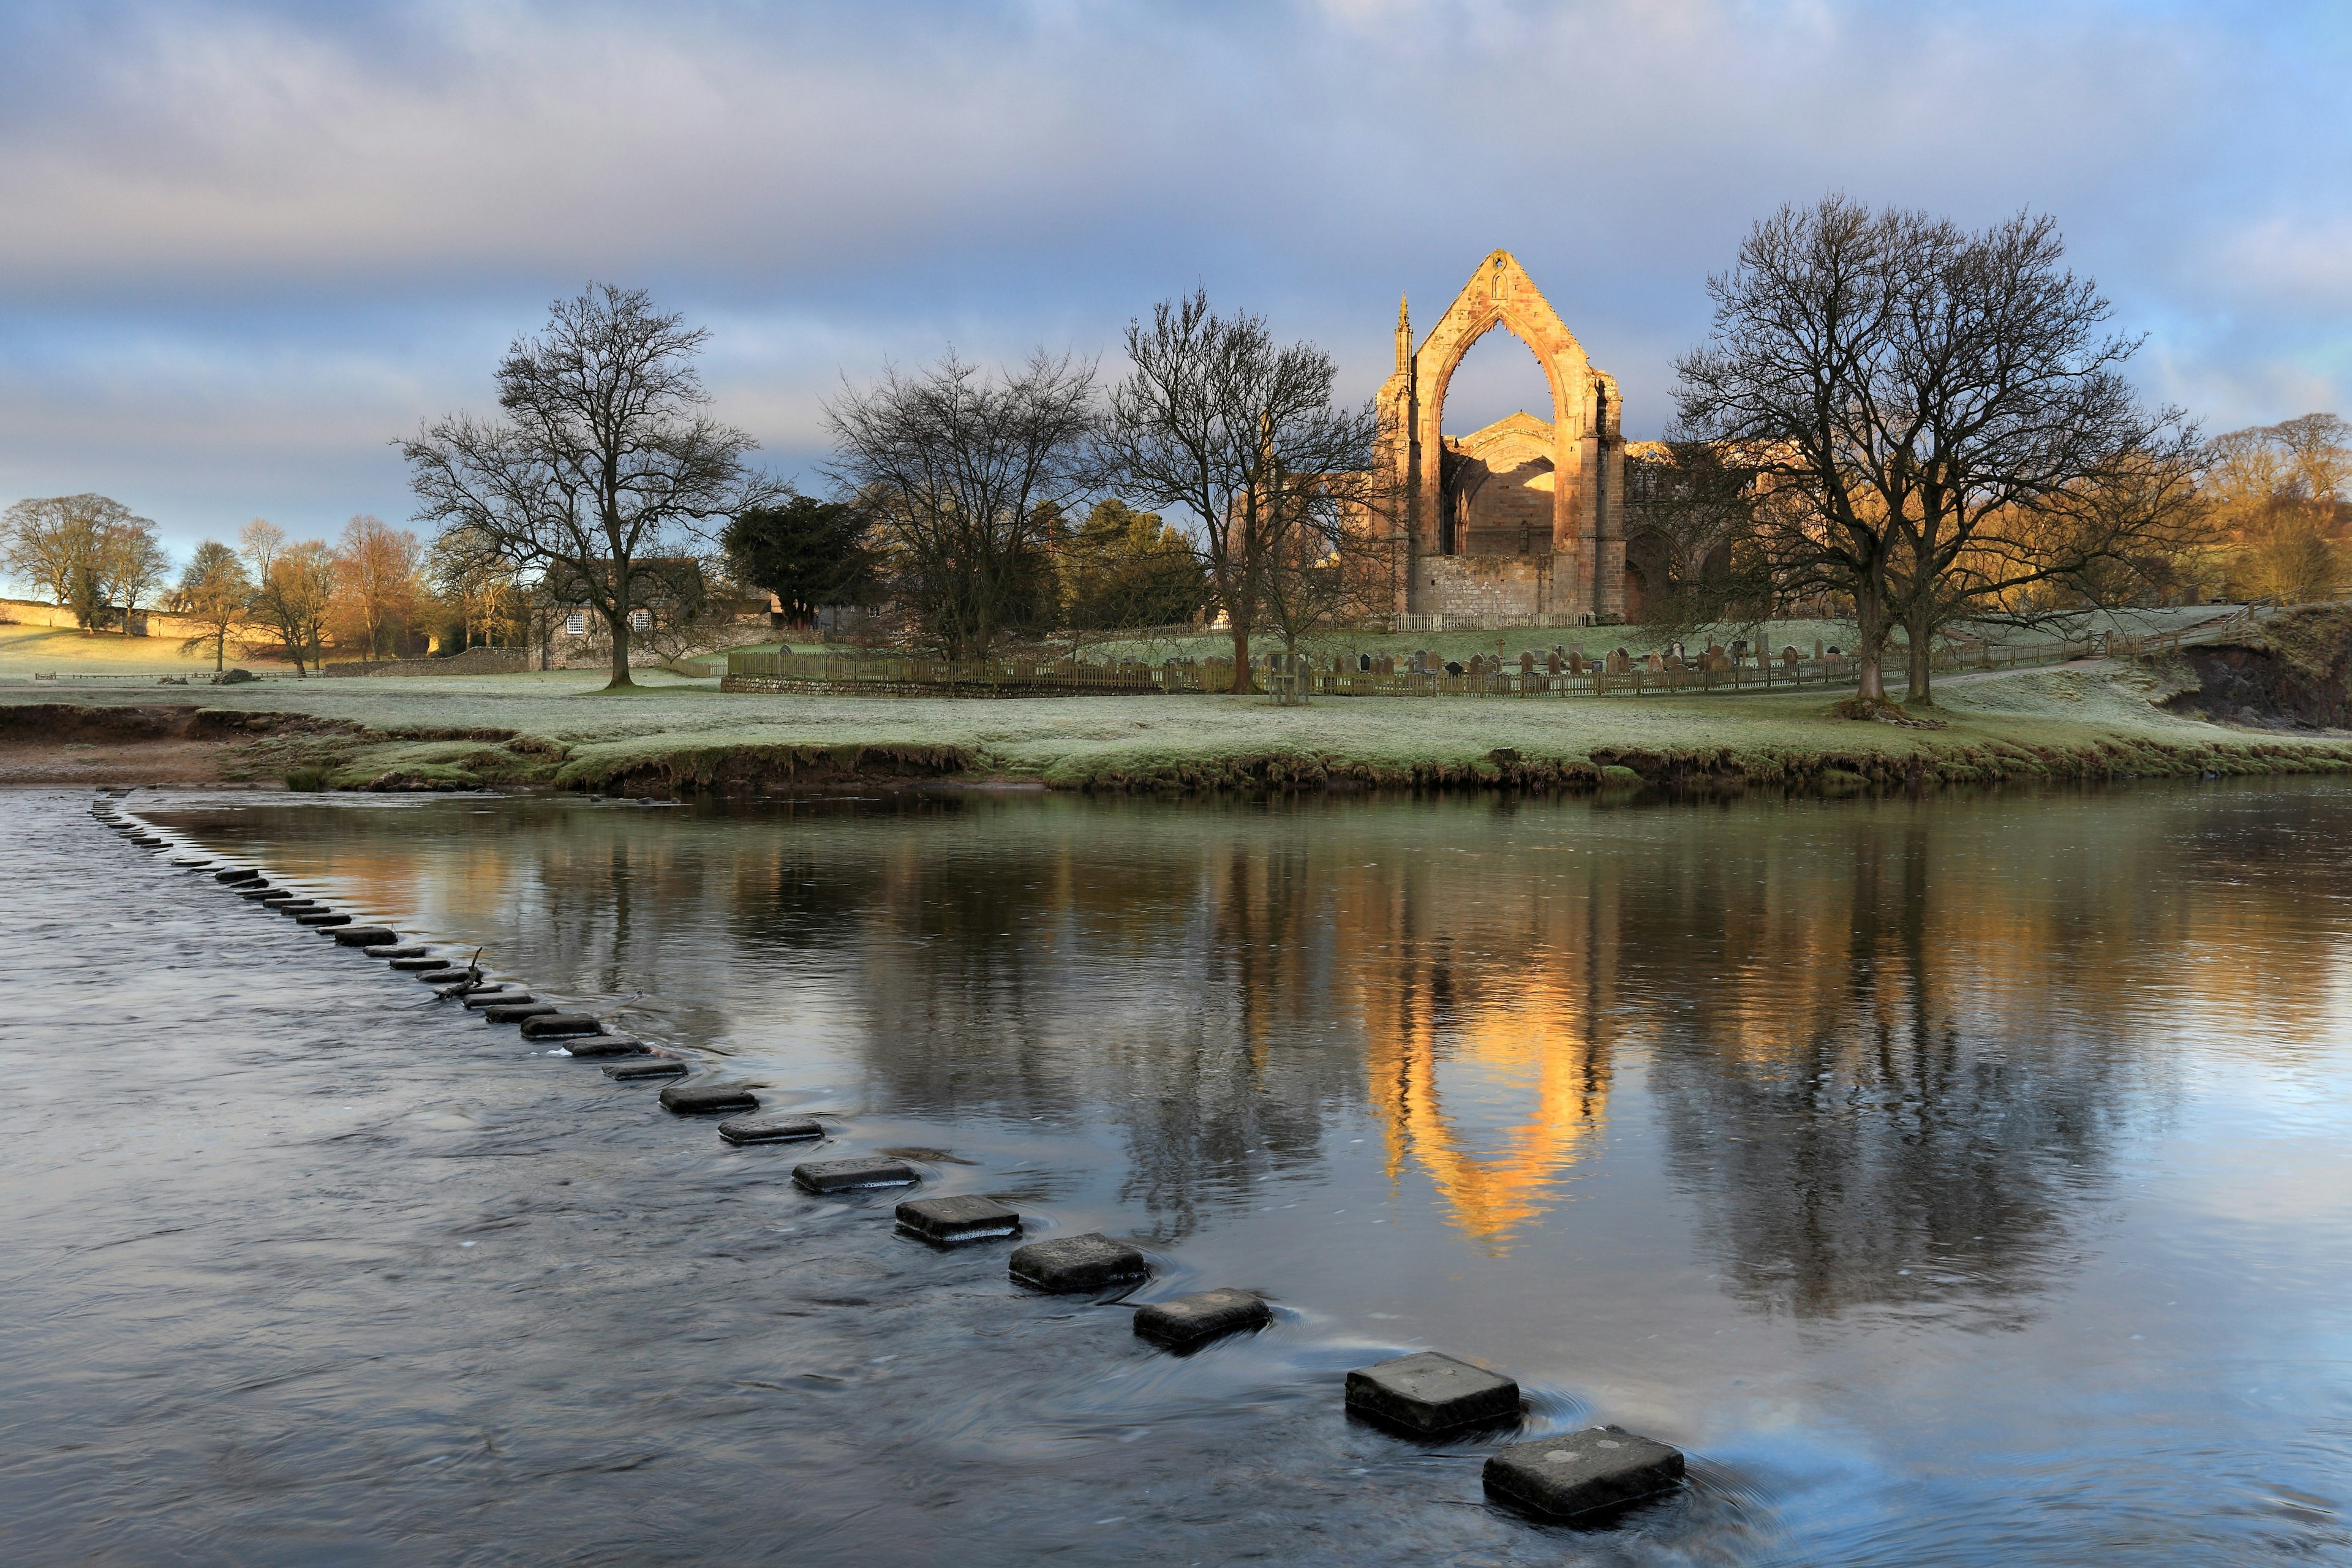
(244, 246)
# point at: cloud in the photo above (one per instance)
(250, 239)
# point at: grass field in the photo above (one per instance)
(560, 728)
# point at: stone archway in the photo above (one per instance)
(1584, 572)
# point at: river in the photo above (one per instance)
(1960, 1181)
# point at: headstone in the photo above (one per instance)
(1528, 663)
(1087, 1262)
(1788, 656)
(1428, 1391)
(1817, 647)
(1363, 664)
(635, 1069)
(1205, 1315)
(1605, 1466)
(1551, 663)
(850, 1175)
(1657, 664)
(561, 1025)
(770, 1129)
(949, 1220)
(365, 936)
(709, 1098)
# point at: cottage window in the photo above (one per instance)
(641, 620)
(576, 623)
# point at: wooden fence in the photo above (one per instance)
(1292, 680)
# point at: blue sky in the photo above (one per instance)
(243, 246)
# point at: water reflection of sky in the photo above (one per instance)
(1979, 1145)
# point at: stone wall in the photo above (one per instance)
(143, 623)
(473, 661)
(1482, 584)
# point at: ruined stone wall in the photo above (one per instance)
(1482, 585)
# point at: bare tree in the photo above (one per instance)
(478, 580)
(215, 592)
(83, 551)
(965, 475)
(379, 581)
(1913, 398)
(1218, 421)
(604, 460)
(296, 592)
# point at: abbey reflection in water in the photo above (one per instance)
(1867, 1037)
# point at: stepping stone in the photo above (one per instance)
(298, 905)
(1426, 1393)
(1086, 1262)
(593, 1046)
(706, 1099)
(322, 918)
(417, 963)
(477, 1000)
(1561, 1478)
(365, 936)
(770, 1128)
(517, 1012)
(265, 894)
(190, 865)
(947, 1220)
(849, 1175)
(1195, 1320)
(645, 1067)
(444, 976)
(557, 1025)
(396, 950)
(237, 873)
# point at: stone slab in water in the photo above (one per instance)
(645, 1067)
(849, 1175)
(1428, 1391)
(1204, 1315)
(596, 1045)
(1086, 1262)
(708, 1099)
(1563, 1476)
(555, 1026)
(240, 874)
(503, 997)
(297, 905)
(966, 1218)
(365, 936)
(263, 893)
(770, 1128)
(322, 918)
(418, 962)
(190, 865)
(396, 950)
(444, 976)
(518, 1012)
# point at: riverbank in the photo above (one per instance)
(557, 730)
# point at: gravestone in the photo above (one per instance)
(1527, 663)
(1551, 663)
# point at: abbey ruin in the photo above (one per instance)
(1522, 518)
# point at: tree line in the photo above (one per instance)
(1914, 423)
(980, 507)
(373, 592)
